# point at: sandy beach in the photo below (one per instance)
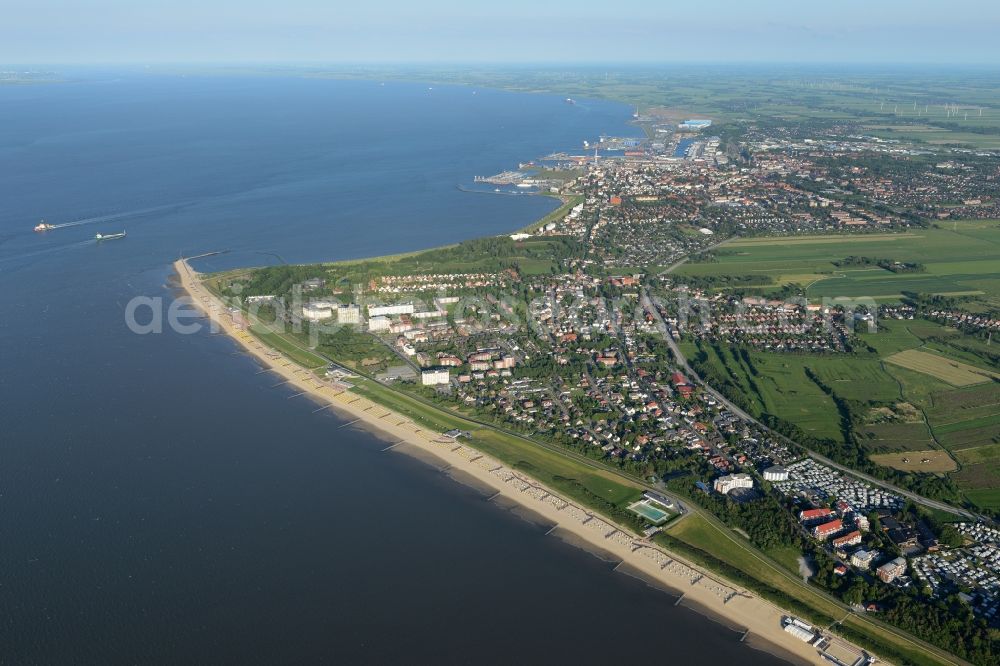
(735, 606)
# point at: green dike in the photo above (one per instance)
(301, 356)
(888, 646)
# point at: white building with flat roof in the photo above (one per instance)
(317, 311)
(397, 309)
(349, 314)
(724, 484)
(435, 376)
(776, 473)
(378, 324)
(863, 559)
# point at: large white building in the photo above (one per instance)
(435, 376)
(430, 314)
(892, 570)
(317, 311)
(695, 124)
(724, 484)
(398, 309)
(863, 559)
(378, 324)
(349, 314)
(776, 473)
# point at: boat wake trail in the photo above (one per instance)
(115, 217)
(44, 251)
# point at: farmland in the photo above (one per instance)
(907, 420)
(945, 369)
(961, 260)
(921, 396)
(917, 461)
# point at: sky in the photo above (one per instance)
(501, 31)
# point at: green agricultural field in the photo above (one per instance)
(787, 392)
(961, 260)
(895, 437)
(944, 374)
(969, 437)
(779, 384)
(910, 411)
(894, 336)
(972, 402)
(855, 378)
(980, 454)
(979, 478)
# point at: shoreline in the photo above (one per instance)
(760, 619)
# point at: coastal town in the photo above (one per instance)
(594, 332)
(500, 333)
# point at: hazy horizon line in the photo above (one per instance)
(515, 64)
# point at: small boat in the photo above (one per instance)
(42, 226)
(102, 237)
(570, 100)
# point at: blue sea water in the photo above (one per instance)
(160, 501)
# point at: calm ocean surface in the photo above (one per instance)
(159, 501)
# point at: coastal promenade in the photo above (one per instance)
(758, 617)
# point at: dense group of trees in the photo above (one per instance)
(764, 519)
(349, 344)
(707, 282)
(277, 280)
(887, 264)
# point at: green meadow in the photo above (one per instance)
(904, 393)
(959, 259)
